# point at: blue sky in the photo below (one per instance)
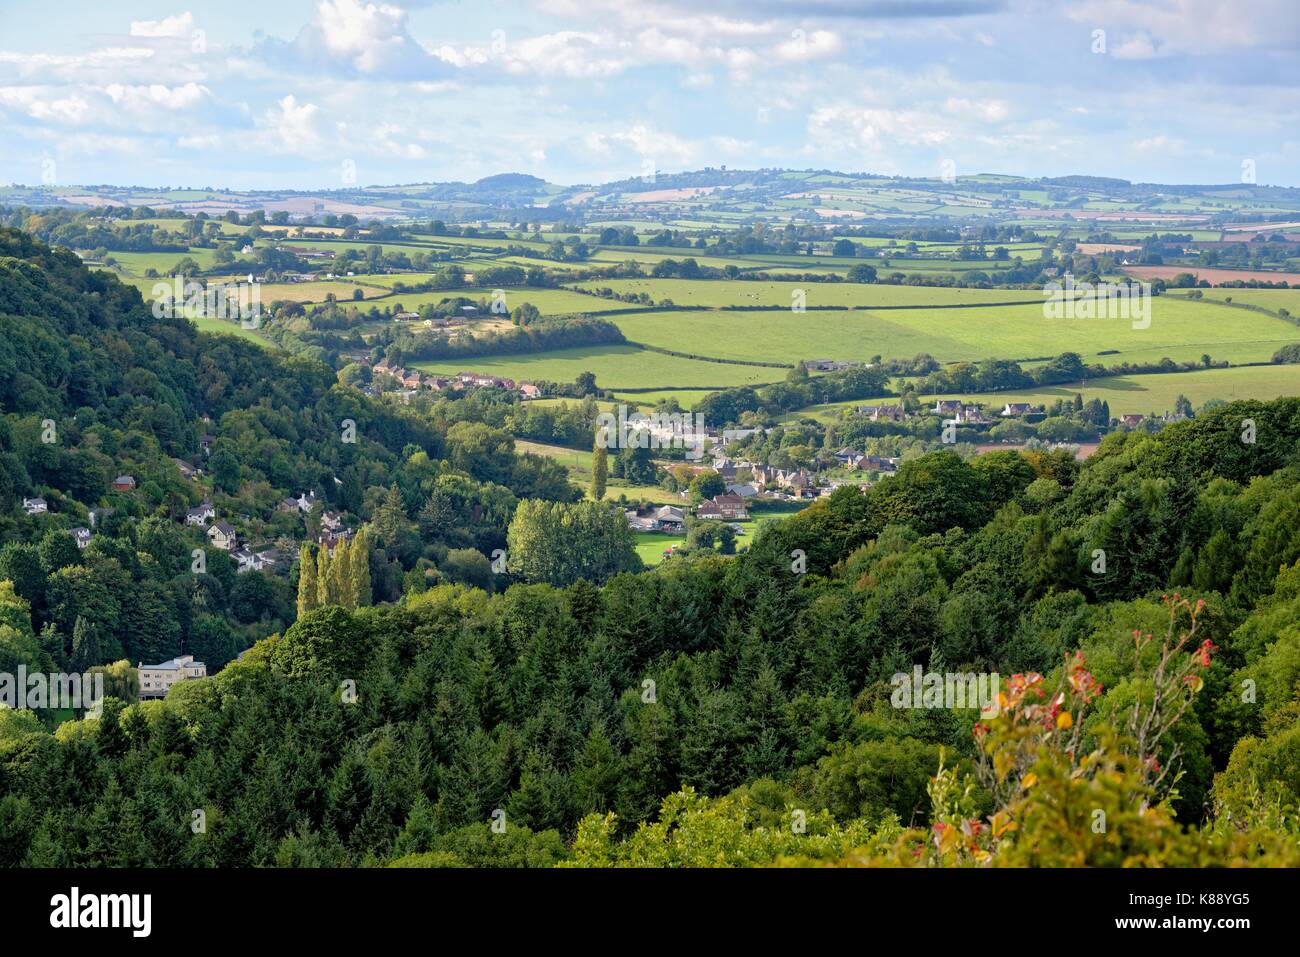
(301, 93)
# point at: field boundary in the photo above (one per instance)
(699, 358)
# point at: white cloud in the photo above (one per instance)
(1167, 27)
(810, 45)
(179, 26)
(157, 95)
(46, 104)
(290, 126)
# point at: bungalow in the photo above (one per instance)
(1015, 409)
(742, 491)
(123, 483)
(530, 391)
(405, 316)
(222, 536)
(200, 514)
(82, 536)
(35, 506)
(187, 471)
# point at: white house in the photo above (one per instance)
(200, 515)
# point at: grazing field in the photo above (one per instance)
(1180, 330)
(615, 367)
(716, 293)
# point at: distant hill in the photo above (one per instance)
(510, 181)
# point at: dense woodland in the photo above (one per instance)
(594, 714)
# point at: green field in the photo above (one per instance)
(615, 367)
(1273, 299)
(136, 263)
(316, 291)
(228, 328)
(1179, 330)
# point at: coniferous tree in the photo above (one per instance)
(85, 645)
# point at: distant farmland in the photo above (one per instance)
(1211, 275)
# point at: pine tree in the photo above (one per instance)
(324, 596)
(307, 587)
(359, 570)
(599, 470)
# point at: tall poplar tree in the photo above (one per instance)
(599, 470)
(323, 594)
(359, 590)
(307, 588)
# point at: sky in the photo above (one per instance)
(322, 94)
